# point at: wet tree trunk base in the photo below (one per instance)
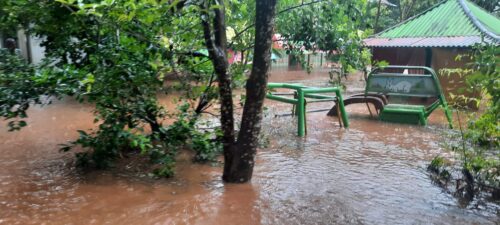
(237, 169)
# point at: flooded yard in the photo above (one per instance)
(371, 173)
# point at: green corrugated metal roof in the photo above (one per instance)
(491, 22)
(446, 19)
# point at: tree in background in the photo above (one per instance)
(397, 11)
(489, 5)
(337, 27)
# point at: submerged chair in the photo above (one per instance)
(383, 87)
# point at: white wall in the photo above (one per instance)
(37, 51)
(22, 42)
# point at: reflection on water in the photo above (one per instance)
(372, 173)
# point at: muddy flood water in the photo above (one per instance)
(371, 173)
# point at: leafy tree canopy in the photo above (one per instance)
(121, 55)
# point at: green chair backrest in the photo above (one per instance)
(405, 85)
(409, 85)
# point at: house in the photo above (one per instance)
(436, 37)
(29, 46)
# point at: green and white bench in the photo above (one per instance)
(407, 89)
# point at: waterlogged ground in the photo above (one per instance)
(371, 173)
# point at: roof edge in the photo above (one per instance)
(476, 22)
(427, 42)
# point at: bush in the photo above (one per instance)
(485, 130)
(477, 143)
(17, 88)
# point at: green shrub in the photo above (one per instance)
(17, 88)
(485, 130)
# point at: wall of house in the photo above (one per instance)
(445, 58)
(22, 43)
(29, 48)
(37, 51)
(401, 56)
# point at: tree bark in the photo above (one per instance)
(216, 43)
(239, 163)
(406, 12)
(375, 27)
(239, 157)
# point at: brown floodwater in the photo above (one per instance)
(371, 173)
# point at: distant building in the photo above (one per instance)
(435, 37)
(28, 46)
(384, 2)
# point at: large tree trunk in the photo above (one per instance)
(239, 162)
(216, 42)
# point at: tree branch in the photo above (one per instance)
(280, 12)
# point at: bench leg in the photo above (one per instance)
(423, 120)
(338, 112)
(448, 117)
(369, 110)
(305, 116)
(301, 114)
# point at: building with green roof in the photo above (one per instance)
(451, 23)
(435, 37)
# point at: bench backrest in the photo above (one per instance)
(401, 84)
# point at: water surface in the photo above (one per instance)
(371, 173)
